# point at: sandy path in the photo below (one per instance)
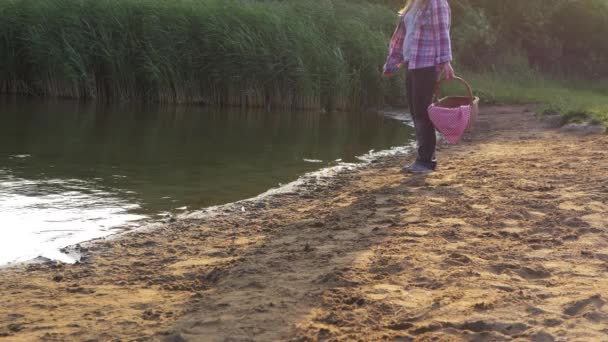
(509, 240)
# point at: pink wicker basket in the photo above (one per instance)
(453, 115)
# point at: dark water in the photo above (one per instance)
(83, 169)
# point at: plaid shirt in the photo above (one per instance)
(431, 43)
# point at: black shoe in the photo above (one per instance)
(417, 168)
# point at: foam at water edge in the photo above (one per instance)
(316, 177)
(319, 177)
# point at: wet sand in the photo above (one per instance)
(507, 241)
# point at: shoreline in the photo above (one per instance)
(305, 183)
(508, 240)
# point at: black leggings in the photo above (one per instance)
(420, 85)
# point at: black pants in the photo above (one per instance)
(420, 85)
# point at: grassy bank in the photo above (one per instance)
(574, 100)
(304, 54)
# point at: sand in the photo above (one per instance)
(507, 241)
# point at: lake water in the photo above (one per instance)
(71, 172)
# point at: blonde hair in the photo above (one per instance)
(410, 4)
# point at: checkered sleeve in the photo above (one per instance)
(441, 19)
(395, 50)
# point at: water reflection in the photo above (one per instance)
(80, 166)
(40, 217)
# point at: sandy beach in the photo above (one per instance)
(507, 241)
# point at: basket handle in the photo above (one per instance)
(437, 91)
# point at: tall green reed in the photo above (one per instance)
(285, 54)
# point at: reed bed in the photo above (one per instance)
(281, 54)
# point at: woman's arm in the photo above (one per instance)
(395, 50)
(441, 19)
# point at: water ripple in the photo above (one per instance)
(40, 217)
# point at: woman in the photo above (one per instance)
(422, 43)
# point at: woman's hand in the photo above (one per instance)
(447, 70)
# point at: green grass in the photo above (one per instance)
(295, 53)
(574, 100)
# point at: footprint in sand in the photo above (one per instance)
(528, 273)
(537, 272)
(579, 306)
(509, 329)
(542, 336)
(483, 330)
(458, 259)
